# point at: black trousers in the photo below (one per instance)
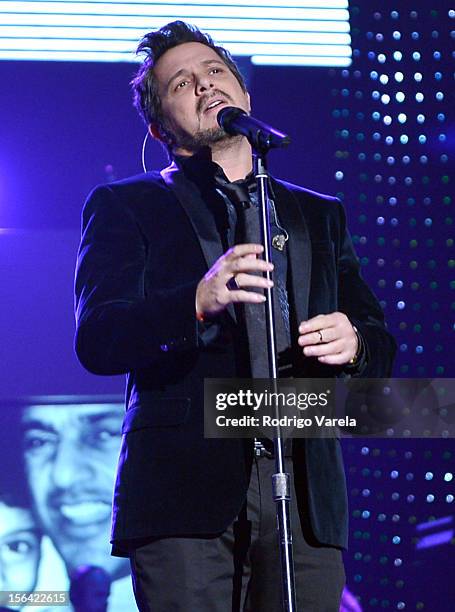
(238, 570)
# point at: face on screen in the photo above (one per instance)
(70, 456)
(19, 549)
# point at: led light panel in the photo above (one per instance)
(296, 32)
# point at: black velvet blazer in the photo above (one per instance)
(146, 243)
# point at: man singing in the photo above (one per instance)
(169, 291)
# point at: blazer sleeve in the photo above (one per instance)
(362, 308)
(118, 327)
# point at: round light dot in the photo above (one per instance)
(389, 140)
(399, 284)
(401, 305)
(396, 539)
(402, 118)
(430, 498)
(398, 76)
(420, 118)
(419, 96)
(396, 35)
(381, 58)
(387, 119)
(422, 139)
(397, 56)
(399, 96)
(416, 56)
(384, 79)
(448, 477)
(439, 96)
(449, 499)
(339, 175)
(429, 476)
(404, 139)
(385, 98)
(418, 76)
(394, 474)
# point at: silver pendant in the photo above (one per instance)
(278, 242)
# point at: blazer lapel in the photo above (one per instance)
(202, 221)
(299, 246)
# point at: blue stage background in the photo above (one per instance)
(380, 135)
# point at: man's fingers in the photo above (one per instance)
(241, 266)
(252, 280)
(240, 250)
(240, 295)
(324, 350)
(248, 264)
(318, 322)
(338, 359)
(310, 338)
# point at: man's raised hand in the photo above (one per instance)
(230, 277)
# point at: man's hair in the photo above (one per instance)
(154, 45)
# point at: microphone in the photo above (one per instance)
(261, 136)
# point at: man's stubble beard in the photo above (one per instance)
(214, 137)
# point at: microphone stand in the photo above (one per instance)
(281, 482)
(262, 138)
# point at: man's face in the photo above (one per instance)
(193, 85)
(70, 455)
(19, 549)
